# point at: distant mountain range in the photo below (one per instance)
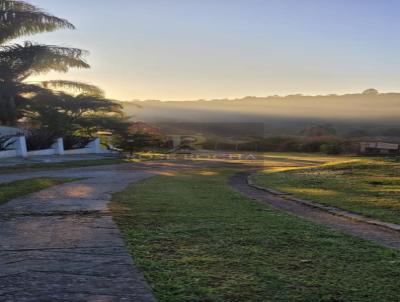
(368, 111)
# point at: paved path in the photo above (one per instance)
(377, 234)
(61, 244)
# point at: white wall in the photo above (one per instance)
(42, 152)
(18, 149)
(8, 154)
(9, 130)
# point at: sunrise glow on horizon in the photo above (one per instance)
(186, 49)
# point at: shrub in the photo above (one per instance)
(76, 142)
(40, 139)
(331, 149)
(311, 146)
(321, 144)
(137, 141)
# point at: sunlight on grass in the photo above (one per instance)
(165, 173)
(284, 169)
(18, 188)
(311, 191)
(207, 173)
(368, 186)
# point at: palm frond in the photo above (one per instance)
(7, 5)
(29, 89)
(100, 103)
(73, 86)
(18, 18)
(76, 106)
(29, 59)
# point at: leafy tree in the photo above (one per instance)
(371, 91)
(19, 61)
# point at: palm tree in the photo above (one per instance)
(18, 62)
(63, 114)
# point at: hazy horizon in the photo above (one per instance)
(235, 98)
(365, 108)
(188, 50)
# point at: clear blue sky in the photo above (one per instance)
(190, 49)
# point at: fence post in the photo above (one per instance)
(59, 146)
(20, 146)
(95, 146)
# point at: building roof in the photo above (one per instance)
(378, 139)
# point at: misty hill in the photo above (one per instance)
(369, 110)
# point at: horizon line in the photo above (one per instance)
(260, 96)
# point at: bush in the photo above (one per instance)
(311, 146)
(331, 149)
(137, 141)
(76, 142)
(39, 139)
(331, 144)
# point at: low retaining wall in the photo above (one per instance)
(8, 153)
(18, 149)
(42, 152)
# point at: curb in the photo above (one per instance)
(332, 210)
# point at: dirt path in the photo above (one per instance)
(377, 234)
(61, 244)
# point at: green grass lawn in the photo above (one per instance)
(370, 187)
(196, 239)
(23, 187)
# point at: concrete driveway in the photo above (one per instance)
(61, 244)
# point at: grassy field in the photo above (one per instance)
(370, 187)
(198, 240)
(23, 187)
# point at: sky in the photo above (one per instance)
(205, 49)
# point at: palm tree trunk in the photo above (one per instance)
(12, 111)
(8, 111)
